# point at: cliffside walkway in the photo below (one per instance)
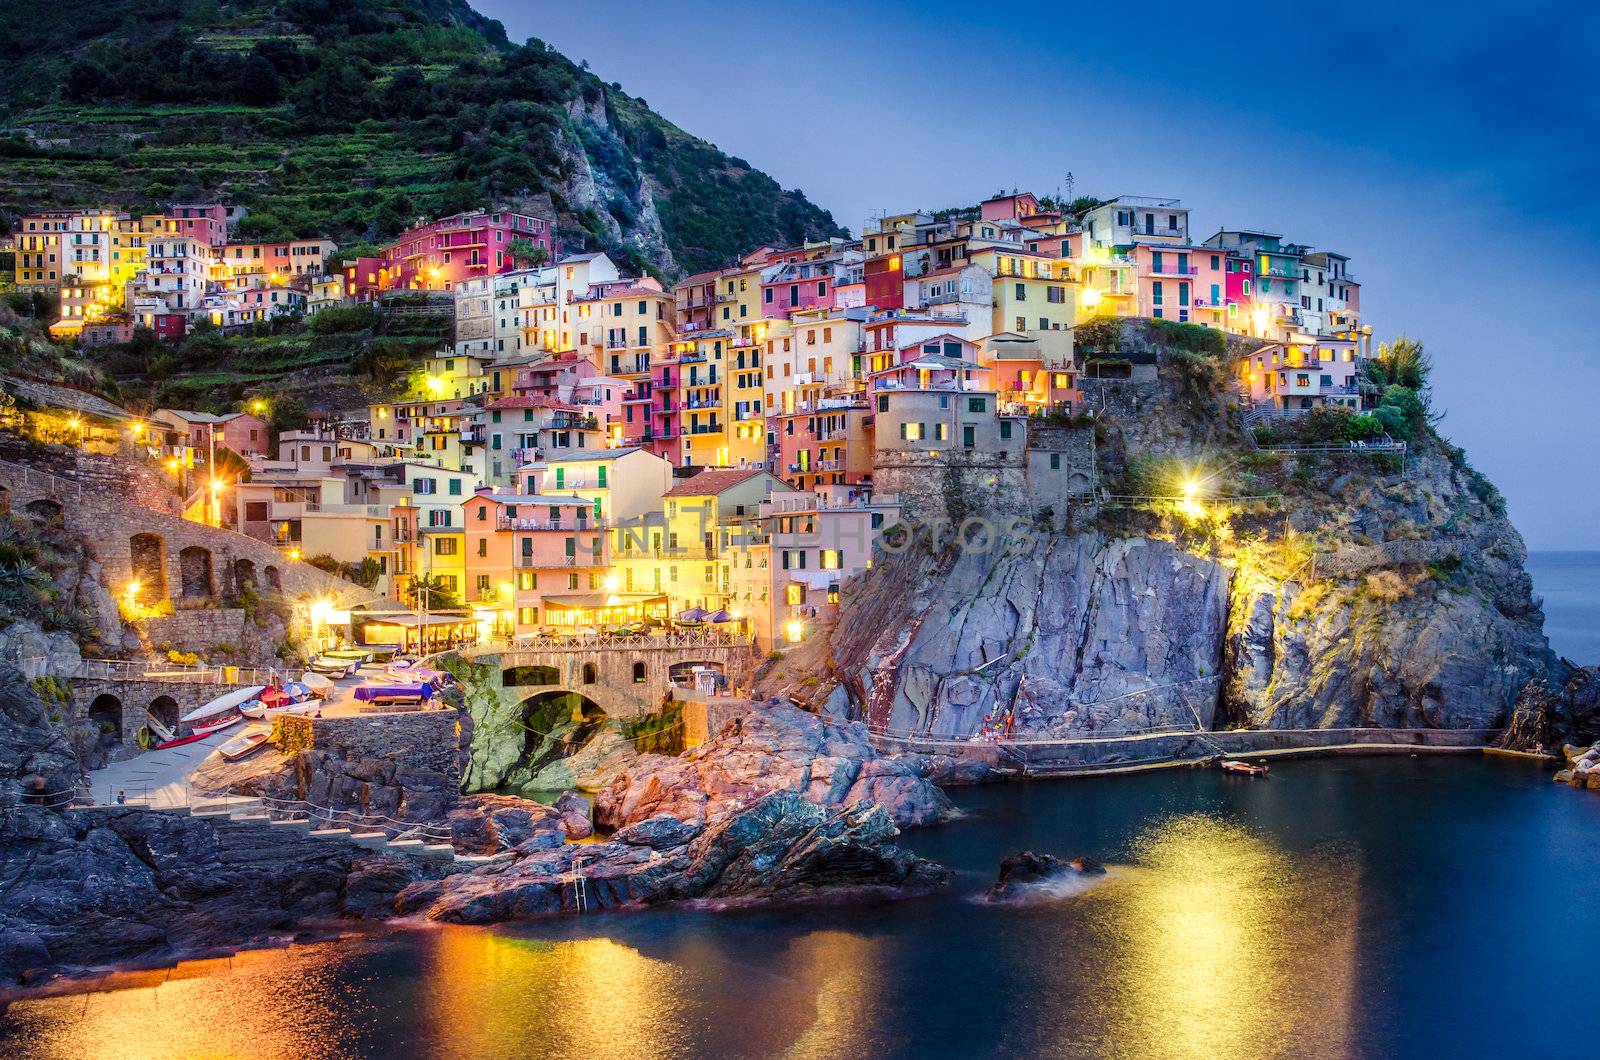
(1173, 745)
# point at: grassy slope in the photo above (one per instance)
(354, 118)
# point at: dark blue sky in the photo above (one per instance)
(1445, 147)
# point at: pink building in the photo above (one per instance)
(798, 285)
(439, 254)
(524, 548)
(1309, 372)
(207, 223)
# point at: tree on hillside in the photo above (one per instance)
(528, 255)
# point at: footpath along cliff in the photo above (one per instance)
(1228, 575)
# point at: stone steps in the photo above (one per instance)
(246, 834)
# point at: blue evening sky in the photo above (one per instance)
(1447, 148)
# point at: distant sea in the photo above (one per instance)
(1569, 582)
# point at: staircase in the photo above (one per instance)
(246, 833)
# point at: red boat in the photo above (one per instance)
(1243, 768)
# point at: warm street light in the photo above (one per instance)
(130, 595)
(294, 554)
(258, 406)
(796, 629)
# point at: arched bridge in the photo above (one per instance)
(626, 677)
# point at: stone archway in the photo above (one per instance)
(682, 673)
(165, 709)
(244, 576)
(148, 553)
(44, 509)
(274, 579)
(194, 573)
(105, 714)
(5, 499)
(591, 674)
(556, 724)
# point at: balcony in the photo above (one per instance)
(1174, 271)
(581, 558)
(520, 522)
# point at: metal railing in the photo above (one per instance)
(586, 640)
(169, 673)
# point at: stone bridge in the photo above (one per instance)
(625, 677)
(118, 703)
(172, 558)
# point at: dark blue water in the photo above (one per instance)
(1569, 582)
(1372, 907)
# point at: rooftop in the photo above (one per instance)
(711, 482)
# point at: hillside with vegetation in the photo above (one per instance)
(352, 119)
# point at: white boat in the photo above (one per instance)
(259, 710)
(228, 701)
(318, 684)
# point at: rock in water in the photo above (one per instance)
(1027, 868)
(781, 848)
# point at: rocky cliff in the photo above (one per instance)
(1302, 590)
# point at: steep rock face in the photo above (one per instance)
(781, 848)
(774, 749)
(1078, 635)
(1409, 607)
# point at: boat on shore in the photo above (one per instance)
(1245, 769)
(244, 745)
(222, 712)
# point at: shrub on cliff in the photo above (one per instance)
(337, 319)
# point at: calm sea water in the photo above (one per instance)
(1570, 585)
(1372, 907)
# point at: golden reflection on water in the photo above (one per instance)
(270, 1004)
(842, 969)
(490, 994)
(1218, 944)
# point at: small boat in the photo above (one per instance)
(261, 711)
(337, 664)
(202, 730)
(317, 684)
(228, 701)
(1230, 765)
(244, 744)
(380, 652)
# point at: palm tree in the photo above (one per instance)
(1405, 362)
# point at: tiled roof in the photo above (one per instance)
(710, 483)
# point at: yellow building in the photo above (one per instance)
(1032, 292)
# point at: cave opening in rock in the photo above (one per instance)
(555, 725)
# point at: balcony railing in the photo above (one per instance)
(581, 558)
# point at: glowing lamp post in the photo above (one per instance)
(130, 596)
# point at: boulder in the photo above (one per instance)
(771, 749)
(1027, 868)
(782, 847)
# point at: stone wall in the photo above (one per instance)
(429, 740)
(172, 558)
(1057, 467)
(197, 630)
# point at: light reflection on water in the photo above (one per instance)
(1259, 919)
